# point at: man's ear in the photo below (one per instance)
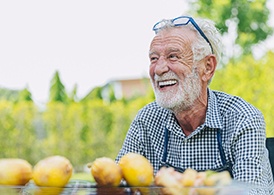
(210, 67)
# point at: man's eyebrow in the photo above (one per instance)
(172, 49)
(152, 52)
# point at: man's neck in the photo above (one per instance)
(190, 119)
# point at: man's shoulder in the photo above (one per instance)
(150, 110)
(152, 107)
(232, 103)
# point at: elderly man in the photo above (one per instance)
(190, 125)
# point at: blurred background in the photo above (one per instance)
(75, 73)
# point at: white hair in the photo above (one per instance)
(201, 47)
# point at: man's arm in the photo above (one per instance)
(132, 142)
(250, 154)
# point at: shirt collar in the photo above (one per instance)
(213, 116)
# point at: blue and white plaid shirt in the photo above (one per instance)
(243, 139)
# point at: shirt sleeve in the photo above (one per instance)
(250, 154)
(132, 142)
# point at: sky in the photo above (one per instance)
(88, 42)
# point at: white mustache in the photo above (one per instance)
(167, 76)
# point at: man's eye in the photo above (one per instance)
(173, 56)
(153, 58)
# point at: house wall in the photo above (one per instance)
(134, 87)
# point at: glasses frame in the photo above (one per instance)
(190, 19)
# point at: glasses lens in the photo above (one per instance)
(180, 21)
(160, 25)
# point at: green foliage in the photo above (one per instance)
(252, 80)
(95, 93)
(72, 97)
(82, 176)
(17, 137)
(7, 124)
(121, 121)
(111, 93)
(8, 94)
(81, 131)
(63, 125)
(25, 95)
(250, 18)
(57, 89)
(98, 127)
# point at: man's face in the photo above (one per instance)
(174, 77)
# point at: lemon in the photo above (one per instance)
(106, 172)
(53, 171)
(136, 170)
(14, 171)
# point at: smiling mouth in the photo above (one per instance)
(167, 83)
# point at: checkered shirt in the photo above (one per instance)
(243, 139)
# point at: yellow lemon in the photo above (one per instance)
(15, 171)
(53, 171)
(136, 169)
(106, 172)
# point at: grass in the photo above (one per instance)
(82, 176)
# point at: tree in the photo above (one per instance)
(73, 94)
(9, 94)
(57, 89)
(94, 94)
(248, 17)
(25, 95)
(98, 124)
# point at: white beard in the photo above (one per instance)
(183, 96)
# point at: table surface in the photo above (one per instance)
(81, 187)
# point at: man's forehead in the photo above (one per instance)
(176, 36)
(175, 31)
(166, 49)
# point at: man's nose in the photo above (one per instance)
(161, 66)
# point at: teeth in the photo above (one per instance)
(167, 83)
